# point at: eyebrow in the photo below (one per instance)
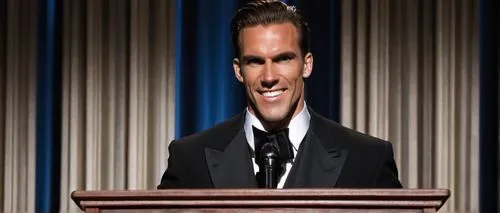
(282, 55)
(289, 55)
(247, 58)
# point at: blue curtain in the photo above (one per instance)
(488, 106)
(48, 96)
(207, 91)
(323, 86)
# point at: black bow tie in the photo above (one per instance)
(279, 139)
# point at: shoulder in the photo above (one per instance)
(370, 162)
(335, 134)
(216, 136)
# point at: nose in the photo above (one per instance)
(269, 76)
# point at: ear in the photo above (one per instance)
(237, 69)
(308, 65)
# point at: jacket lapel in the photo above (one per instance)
(316, 166)
(319, 161)
(225, 165)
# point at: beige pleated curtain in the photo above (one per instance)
(410, 75)
(118, 94)
(17, 105)
(409, 69)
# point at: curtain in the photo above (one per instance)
(118, 80)
(489, 19)
(47, 107)
(410, 76)
(3, 76)
(17, 105)
(207, 90)
(322, 88)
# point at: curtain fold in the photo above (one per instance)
(3, 77)
(17, 105)
(47, 106)
(410, 76)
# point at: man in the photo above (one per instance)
(271, 41)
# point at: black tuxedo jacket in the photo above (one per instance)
(329, 156)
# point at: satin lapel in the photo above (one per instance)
(225, 166)
(316, 166)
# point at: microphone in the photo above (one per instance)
(272, 150)
(269, 161)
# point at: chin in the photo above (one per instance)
(275, 117)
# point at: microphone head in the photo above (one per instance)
(268, 150)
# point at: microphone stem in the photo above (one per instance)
(270, 172)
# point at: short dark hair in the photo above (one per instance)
(269, 12)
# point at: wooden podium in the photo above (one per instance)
(262, 200)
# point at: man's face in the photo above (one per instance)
(272, 69)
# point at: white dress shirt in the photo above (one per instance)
(297, 131)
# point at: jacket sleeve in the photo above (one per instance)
(171, 177)
(387, 174)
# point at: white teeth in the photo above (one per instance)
(272, 93)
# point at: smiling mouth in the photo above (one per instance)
(273, 93)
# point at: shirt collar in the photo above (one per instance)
(297, 128)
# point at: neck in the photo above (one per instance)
(272, 125)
